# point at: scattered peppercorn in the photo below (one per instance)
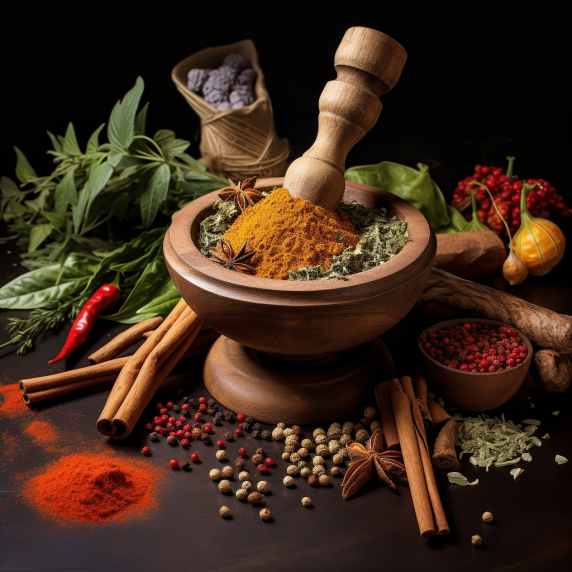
(228, 471)
(215, 474)
(268, 462)
(172, 439)
(262, 468)
(255, 498)
(185, 465)
(228, 415)
(324, 480)
(246, 485)
(194, 457)
(210, 411)
(476, 540)
(221, 455)
(264, 514)
(239, 464)
(224, 486)
(263, 487)
(257, 458)
(335, 471)
(154, 436)
(241, 494)
(145, 450)
(292, 470)
(288, 481)
(242, 451)
(228, 436)
(488, 516)
(256, 434)
(306, 501)
(185, 399)
(244, 475)
(185, 442)
(305, 472)
(277, 433)
(174, 464)
(256, 427)
(238, 432)
(313, 480)
(224, 511)
(176, 408)
(266, 434)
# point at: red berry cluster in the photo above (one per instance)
(475, 348)
(542, 201)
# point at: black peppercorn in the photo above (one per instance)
(246, 426)
(239, 464)
(228, 436)
(204, 437)
(171, 439)
(266, 434)
(249, 420)
(256, 427)
(257, 459)
(260, 451)
(211, 411)
(228, 415)
(194, 404)
(185, 399)
(217, 421)
(214, 407)
(365, 421)
(210, 402)
(154, 436)
(176, 408)
(357, 427)
(197, 426)
(256, 434)
(184, 464)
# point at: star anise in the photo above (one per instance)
(224, 254)
(388, 465)
(244, 194)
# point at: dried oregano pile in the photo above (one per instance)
(380, 238)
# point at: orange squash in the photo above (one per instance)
(539, 243)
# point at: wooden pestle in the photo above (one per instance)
(368, 64)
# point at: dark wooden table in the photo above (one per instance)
(375, 530)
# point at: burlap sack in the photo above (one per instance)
(237, 143)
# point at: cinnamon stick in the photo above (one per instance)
(85, 373)
(444, 453)
(124, 340)
(36, 396)
(129, 373)
(412, 459)
(420, 389)
(436, 505)
(387, 416)
(180, 336)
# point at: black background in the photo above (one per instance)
(482, 80)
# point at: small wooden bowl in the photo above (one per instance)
(474, 391)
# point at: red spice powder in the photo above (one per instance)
(42, 432)
(11, 400)
(93, 488)
(9, 445)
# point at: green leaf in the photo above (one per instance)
(114, 158)
(57, 146)
(93, 143)
(191, 161)
(154, 194)
(120, 130)
(457, 222)
(54, 218)
(163, 136)
(9, 188)
(71, 147)
(92, 188)
(39, 202)
(24, 170)
(164, 302)
(141, 120)
(146, 289)
(38, 287)
(38, 234)
(66, 193)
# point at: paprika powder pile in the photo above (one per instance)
(288, 233)
(42, 432)
(11, 402)
(93, 488)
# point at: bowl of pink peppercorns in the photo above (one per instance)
(475, 364)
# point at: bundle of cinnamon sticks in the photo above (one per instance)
(136, 377)
(407, 414)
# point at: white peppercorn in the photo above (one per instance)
(277, 433)
(241, 494)
(476, 540)
(228, 471)
(292, 470)
(345, 439)
(335, 471)
(303, 452)
(302, 464)
(317, 460)
(319, 470)
(370, 413)
(347, 428)
(334, 431)
(294, 458)
(244, 475)
(317, 432)
(281, 425)
(321, 439)
(338, 459)
(305, 472)
(343, 452)
(224, 511)
(292, 440)
(488, 516)
(322, 450)
(334, 446)
(374, 425)
(221, 455)
(263, 487)
(215, 475)
(286, 456)
(264, 514)
(306, 501)
(362, 436)
(324, 480)
(287, 432)
(224, 486)
(288, 481)
(246, 485)
(308, 444)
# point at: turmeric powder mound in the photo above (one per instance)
(288, 233)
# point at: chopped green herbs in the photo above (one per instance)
(459, 479)
(213, 227)
(560, 459)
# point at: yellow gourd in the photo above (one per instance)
(539, 243)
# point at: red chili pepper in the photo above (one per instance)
(104, 299)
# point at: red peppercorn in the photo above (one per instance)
(207, 427)
(268, 462)
(220, 443)
(162, 430)
(202, 407)
(238, 432)
(240, 416)
(180, 433)
(182, 418)
(169, 405)
(170, 426)
(164, 418)
(187, 427)
(241, 425)
(242, 451)
(185, 406)
(464, 367)
(157, 419)
(172, 434)
(159, 405)
(164, 411)
(198, 416)
(172, 420)
(194, 457)
(484, 363)
(185, 443)
(158, 428)
(492, 368)
(187, 435)
(262, 468)
(202, 399)
(174, 463)
(510, 361)
(149, 426)
(145, 450)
